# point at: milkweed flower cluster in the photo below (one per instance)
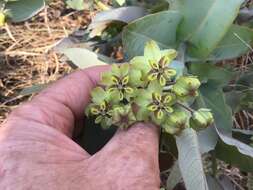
(148, 89)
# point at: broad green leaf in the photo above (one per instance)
(189, 160)
(207, 71)
(205, 26)
(235, 153)
(82, 58)
(208, 139)
(212, 97)
(76, 4)
(175, 177)
(160, 27)
(24, 9)
(236, 42)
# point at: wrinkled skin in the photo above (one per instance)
(36, 150)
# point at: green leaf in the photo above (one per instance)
(208, 139)
(82, 58)
(212, 97)
(160, 27)
(76, 4)
(24, 9)
(205, 26)
(98, 95)
(228, 149)
(236, 42)
(236, 153)
(208, 71)
(175, 177)
(190, 162)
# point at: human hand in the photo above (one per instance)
(36, 150)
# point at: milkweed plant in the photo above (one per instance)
(148, 90)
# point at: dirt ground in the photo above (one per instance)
(25, 56)
(26, 59)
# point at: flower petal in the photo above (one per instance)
(102, 106)
(162, 80)
(121, 95)
(152, 76)
(159, 114)
(152, 51)
(125, 80)
(129, 90)
(170, 72)
(170, 54)
(167, 98)
(98, 95)
(124, 69)
(140, 63)
(115, 80)
(168, 109)
(98, 119)
(152, 107)
(157, 97)
(115, 69)
(153, 64)
(94, 111)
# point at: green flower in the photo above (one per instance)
(153, 102)
(201, 119)
(186, 86)
(120, 81)
(176, 122)
(155, 63)
(103, 114)
(124, 117)
(161, 105)
(159, 71)
(101, 107)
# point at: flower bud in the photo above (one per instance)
(186, 86)
(201, 119)
(176, 122)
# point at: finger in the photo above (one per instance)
(64, 101)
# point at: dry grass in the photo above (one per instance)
(25, 56)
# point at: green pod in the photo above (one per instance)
(201, 119)
(176, 122)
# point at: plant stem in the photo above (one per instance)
(186, 107)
